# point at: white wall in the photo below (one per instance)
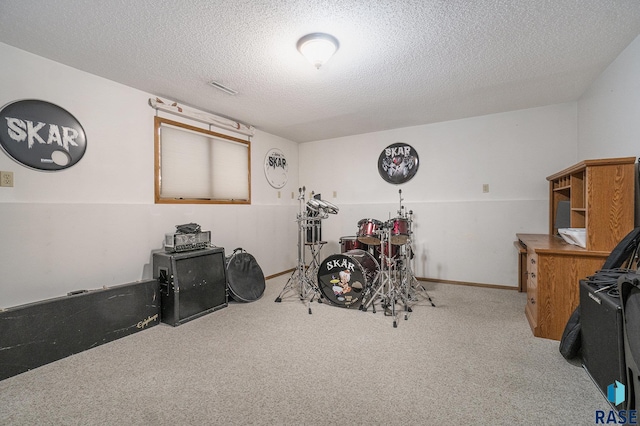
(95, 224)
(609, 112)
(461, 233)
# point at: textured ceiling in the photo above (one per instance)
(400, 63)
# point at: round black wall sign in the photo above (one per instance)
(41, 135)
(398, 163)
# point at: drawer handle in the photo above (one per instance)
(533, 274)
(533, 301)
(533, 261)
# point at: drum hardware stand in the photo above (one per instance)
(383, 277)
(412, 285)
(299, 280)
(388, 290)
(402, 285)
(315, 246)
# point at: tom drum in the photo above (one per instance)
(368, 231)
(399, 230)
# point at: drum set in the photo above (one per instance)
(372, 268)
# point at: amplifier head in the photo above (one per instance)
(185, 242)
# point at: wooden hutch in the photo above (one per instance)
(601, 199)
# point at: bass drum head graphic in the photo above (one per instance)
(343, 278)
(41, 135)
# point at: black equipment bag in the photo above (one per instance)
(244, 277)
(623, 250)
(571, 341)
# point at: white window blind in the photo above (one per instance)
(196, 165)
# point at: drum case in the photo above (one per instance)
(245, 279)
(192, 283)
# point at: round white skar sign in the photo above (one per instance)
(276, 168)
(41, 135)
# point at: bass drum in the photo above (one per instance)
(343, 278)
(244, 277)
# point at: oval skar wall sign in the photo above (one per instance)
(41, 135)
(398, 163)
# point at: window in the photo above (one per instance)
(194, 165)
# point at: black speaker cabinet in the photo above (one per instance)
(630, 294)
(602, 336)
(192, 283)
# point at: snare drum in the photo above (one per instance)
(399, 230)
(343, 278)
(368, 231)
(351, 243)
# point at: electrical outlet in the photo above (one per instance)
(335, 194)
(6, 178)
(485, 187)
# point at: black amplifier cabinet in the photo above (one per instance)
(602, 331)
(192, 283)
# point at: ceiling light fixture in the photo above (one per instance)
(318, 48)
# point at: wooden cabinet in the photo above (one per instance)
(600, 195)
(601, 199)
(554, 270)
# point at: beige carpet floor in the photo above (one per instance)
(470, 360)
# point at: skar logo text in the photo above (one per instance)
(21, 130)
(340, 263)
(277, 161)
(400, 150)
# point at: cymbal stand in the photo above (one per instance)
(413, 288)
(401, 209)
(387, 290)
(394, 289)
(299, 282)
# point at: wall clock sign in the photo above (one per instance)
(398, 163)
(276, 168)
(41, 135)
